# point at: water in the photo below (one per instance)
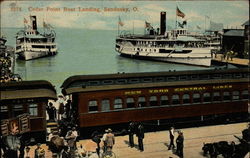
(83, 52)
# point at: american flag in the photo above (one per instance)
(120, 22)
(147, 24)
(179, 13)
(25, 21)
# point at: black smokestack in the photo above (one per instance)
(163, 23)
(33, 22)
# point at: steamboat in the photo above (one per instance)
(30, 44)
(175, 46)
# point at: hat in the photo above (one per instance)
(38, 144)
(109, 130)
(106, 130)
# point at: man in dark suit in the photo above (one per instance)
(140, 135)
(131, 132)
(179, 143)
(171, 136)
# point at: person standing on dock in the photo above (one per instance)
(179, 143)
(131, 132)
(140, 135)
(51, 110)
(171, 136)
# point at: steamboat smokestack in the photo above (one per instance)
(33, 22)
(163, 23)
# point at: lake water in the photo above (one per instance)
(83, 52)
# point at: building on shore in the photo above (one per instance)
(237, 40)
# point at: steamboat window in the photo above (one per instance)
(226, 96)
(227, 76)
(206, 97)
(186, 99)
(196, 98)
(17, 110)
(236, 95)
(245, 94)
(216, 96)
(33, 109)
(141, 102)
(164, 100)
(176, 99)
(4, 112)
(183, 78)
(118, 103)
(105, 105)
(93, 106)
(130, 102)
(153, 101)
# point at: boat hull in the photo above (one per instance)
(206, 62)
(197, 57)
(29, 55)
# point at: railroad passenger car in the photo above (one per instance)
(113, 99)
(27, 97)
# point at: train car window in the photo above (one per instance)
(196, 98)
(236, 95)
(17, 110)
(227, 76)
(105, 105)
(204, 77)
(173, 78)
(216, 96)
(176, 99)
(184, 78)
(186, 99)
(130, 102)
(217, 76)
(206, 97)
(94, 83)
(164, 100)
(4, 112)
(237, 75)
(107, 82)
(147, 80)
(134, 80)
(159, 79)
(245, 94)
(141, 102)
(33, 109)
(118, 103)
(121, 81)
(153, 101)
(246, 75)
(194, 77)
(93, 106)
(226, 96)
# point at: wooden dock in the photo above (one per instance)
(235, 61)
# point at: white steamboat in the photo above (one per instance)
(30, 44)
(169, 46)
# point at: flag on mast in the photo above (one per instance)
(25, 21)
(120, 22)
(147, 25)
(179, 13)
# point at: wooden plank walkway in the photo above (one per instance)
(236, 61)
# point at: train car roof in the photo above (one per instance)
(151, 85)
(68, 83)
(27, 89)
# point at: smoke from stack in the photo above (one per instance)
(33, 22)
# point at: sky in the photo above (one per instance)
(133, 14)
